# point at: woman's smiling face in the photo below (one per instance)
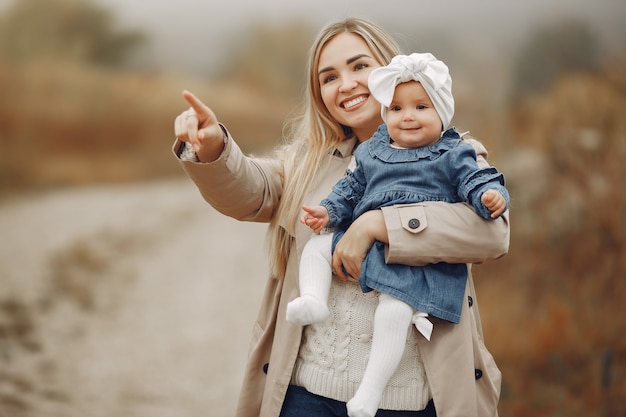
(344, 65)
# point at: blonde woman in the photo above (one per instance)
(315, 370)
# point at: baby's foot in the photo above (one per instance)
(365, 401)
(306, 310)
(358, 408)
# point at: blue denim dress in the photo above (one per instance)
(384, 176)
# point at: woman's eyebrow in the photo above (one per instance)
(348, 61)
(357, 57)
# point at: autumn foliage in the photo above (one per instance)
(553, 308)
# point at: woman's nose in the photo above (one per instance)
(348, 84)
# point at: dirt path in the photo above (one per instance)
(130, 301)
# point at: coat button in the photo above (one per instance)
(478, 374)
(265, 368)
(414, 223)
(470, 300)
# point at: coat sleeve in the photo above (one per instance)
(236, 185)
(472, 181)
(432, 232)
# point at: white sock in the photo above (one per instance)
(307, 309)
(391, 325)
(315, 277)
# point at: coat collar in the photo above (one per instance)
(346, 147)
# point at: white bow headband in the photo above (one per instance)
(425, 68)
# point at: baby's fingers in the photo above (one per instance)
(498, 206)
(487, 197)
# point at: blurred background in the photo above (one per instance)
(107, 253)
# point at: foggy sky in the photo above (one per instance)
(193, 34)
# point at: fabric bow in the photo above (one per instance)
(422, 324)
(425, 68)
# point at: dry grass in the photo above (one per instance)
(67, 125)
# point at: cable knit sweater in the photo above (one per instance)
(333, 354)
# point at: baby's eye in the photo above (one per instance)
(421, 107)
(395, 108)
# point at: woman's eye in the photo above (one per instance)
(328, 79)
(360, 66)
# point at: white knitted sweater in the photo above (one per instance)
(333, 354)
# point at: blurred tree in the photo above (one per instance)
(74, 30)
(551, 52)
(271, 57)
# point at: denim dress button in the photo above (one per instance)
(470, 300)
(414, 223)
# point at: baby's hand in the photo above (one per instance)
(494, 201)
(316, 217)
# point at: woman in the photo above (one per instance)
(314, 370)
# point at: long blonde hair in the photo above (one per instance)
(314, 134)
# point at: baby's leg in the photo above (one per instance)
(315, 278)
(391, 325)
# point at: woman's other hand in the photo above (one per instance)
(199, 127)
(356, 243)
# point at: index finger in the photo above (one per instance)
(201, 109)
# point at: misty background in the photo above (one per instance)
(194, 35)
(108, 255)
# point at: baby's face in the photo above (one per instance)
(412, 120)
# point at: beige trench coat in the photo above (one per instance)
(463, 377)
